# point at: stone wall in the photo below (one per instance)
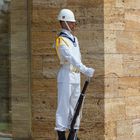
(108, 33)
(122, 69)
(44, 28)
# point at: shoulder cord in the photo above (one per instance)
(58, 40)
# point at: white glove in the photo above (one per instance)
(89, 72)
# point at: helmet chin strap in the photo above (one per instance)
(68, 26)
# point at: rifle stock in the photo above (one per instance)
(72, 133)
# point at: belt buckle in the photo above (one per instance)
(75, 70)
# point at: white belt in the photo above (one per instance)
(71, 68)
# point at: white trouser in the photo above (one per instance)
(68, 95)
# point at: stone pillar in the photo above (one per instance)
(122, 69)
(20, 70)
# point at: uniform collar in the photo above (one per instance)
(67, 32)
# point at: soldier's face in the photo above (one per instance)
(72, 25)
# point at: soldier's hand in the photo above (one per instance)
(90, 72)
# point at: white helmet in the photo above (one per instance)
(66, 15)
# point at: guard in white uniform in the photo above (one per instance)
(68, 78)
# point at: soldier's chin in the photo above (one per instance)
(73, 29)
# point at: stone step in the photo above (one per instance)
(5, 136)
(2, 138)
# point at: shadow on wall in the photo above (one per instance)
(90, 32)
(5, 99)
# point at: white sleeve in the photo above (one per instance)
(65, 52)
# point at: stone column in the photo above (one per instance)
(122, 69)
(20, 70)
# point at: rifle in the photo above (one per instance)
(72, 134)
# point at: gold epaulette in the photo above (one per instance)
(60, 41)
